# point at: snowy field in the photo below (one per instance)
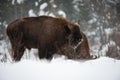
(103, 68)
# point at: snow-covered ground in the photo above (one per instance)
(103, 68)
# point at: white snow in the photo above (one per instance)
(30, 54)
(51, 14)
(76, 8)
(13, 2)
(104, 50)
(62, 69)
(112, 43)
(20, 1)
(31, 13)
(91, 33)
(76, 1)
(39, 0)
(62, 13)
(108, 31)
(41, 12)
(5, 24)
(0, 23)
(92, 21)
(36, 3)
(2, 47)
(54, 5)
(43, 6)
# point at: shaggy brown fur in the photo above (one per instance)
(83, 50)
(46, 33)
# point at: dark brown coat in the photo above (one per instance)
(83, 50)
(46, 33)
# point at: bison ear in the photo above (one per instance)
(67, 29)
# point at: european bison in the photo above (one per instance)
(46, 33)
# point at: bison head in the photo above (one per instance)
(74, 36)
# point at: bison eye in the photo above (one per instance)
(77, 36)
(68, 31)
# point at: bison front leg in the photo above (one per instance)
(49, 56)
(44, 53)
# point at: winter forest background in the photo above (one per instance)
(99, 20)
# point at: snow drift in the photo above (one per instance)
(60, 69)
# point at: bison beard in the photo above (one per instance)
(83, 50)
(46, 33)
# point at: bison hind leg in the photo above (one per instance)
(18, 53)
